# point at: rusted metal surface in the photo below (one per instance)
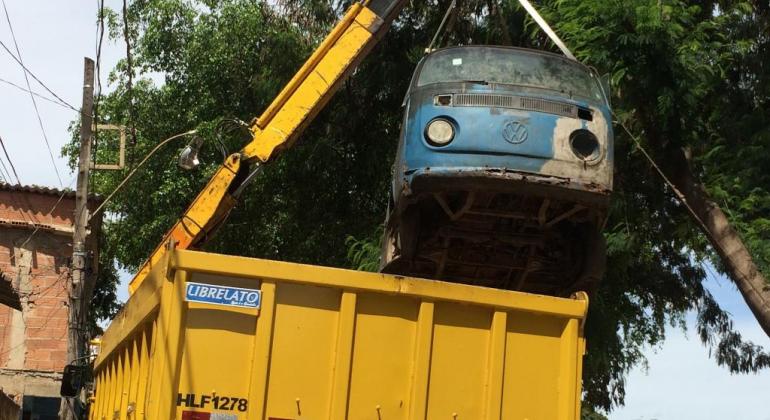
(502, 240)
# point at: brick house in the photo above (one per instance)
(35, 250)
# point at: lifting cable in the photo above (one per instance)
(683, 200)
(532, 13)
(449, 9)
(546, 28)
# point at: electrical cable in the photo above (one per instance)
(682, 199)
(4, 171)
(10, 162)
(28, 71)
(29, 218)
(129, 75)
(97, 96)
(31, 96)
(61, 197)
(45, 98)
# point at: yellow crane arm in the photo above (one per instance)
(362, 26)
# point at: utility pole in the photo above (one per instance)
(77, 308)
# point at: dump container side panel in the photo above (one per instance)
(337, 344)
(145, 339)
(93, 412)
(121, 379)
(533, 366)
(383, 351)
(216, 354)
(109, 408)
(458, 361)
(496, 366)
(125, 385)
(343, 356)
(569, 369)
(166, 349)
(304, 338)
(135, 370)
(141, 307)
(260, 366)
(418, 400)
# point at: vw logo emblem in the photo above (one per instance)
(515, 132)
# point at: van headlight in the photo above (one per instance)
(439, 132)
(585, 146)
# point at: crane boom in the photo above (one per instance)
(279, 126)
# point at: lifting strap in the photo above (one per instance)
(532, 12)
(547, 29)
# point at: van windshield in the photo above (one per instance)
(509, 66)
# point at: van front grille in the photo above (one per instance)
(515, 102)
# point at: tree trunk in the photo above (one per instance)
(725, 240)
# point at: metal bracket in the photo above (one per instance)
(121, 157)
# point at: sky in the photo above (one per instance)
(682, 382)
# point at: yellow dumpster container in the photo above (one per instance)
(215, 337)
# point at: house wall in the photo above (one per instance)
(35, 250)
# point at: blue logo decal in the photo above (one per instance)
(223, 295)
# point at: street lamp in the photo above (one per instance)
(188, 159)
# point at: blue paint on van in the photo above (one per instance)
(515, 194)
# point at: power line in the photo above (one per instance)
(129, 77)
(45, 98)
(31, 96)
(5, 47)
(10, 162)
(100, 31)
(6, 175)
(98, 95)
(50, 212)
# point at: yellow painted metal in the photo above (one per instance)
(278, 127)
(337, 344)
(205, 212)
(314, 84)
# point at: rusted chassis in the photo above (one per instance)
(499, 228)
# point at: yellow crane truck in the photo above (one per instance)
(214, 337)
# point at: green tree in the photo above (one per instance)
(686, 77)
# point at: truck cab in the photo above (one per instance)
(503, 171)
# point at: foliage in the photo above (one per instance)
(104, 300)
(684, 74)
(364, 254)
(587, 413)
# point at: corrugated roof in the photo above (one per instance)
(8, 295)
(41, 189)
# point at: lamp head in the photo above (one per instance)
(188, 159)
